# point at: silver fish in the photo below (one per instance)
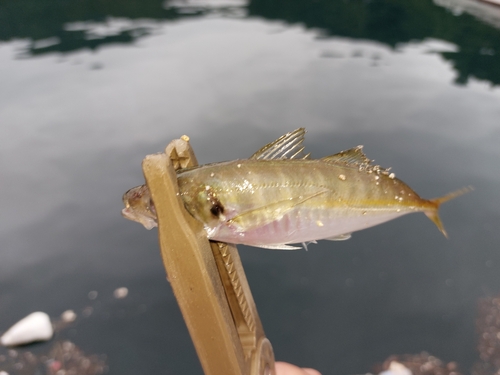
(279, 196)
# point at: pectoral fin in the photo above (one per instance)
(264, 215)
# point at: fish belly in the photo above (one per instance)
(303, 226)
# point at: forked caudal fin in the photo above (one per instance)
(434, 214)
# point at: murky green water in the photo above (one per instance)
(88, 88)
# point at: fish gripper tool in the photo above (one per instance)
(207, 277)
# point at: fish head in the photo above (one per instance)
(140, 207)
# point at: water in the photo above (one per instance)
(88, 89)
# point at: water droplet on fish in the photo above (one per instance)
(377, 183)
(319, 223)
(398, 210)
(377, 178)
(392, 176)
(238, 165)
(364, 212)
(342, 177)
(212, 174)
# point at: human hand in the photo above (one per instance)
(283, 368)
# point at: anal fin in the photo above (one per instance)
(340, 237)
(278, 247)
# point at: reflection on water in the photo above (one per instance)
(92, 24)
(101, 84)
(54, 26)
(482, 9)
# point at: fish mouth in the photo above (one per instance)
(148, 222)
(127, 214)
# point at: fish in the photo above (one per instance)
(280, 197)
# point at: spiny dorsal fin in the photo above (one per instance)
(288, 146)
(353, 156)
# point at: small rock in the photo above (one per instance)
(120, 293)
(419, 364)
(68, 316)
(34, 327)
(396, 368)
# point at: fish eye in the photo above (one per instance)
(217, 208)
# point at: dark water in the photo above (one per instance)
(88, 88)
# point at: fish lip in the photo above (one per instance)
(126, 213)
(148, 222)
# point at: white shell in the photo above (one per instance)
(34, 327)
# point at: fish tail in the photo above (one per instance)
(433, 213)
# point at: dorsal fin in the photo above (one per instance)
(353, 156)
(288, 146)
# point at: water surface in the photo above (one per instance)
(88, 89)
